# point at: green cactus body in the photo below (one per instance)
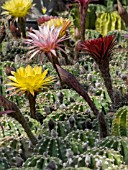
(120, 122)
(30, 168)
(62, 128)
(41, 162)
(12, 157)
(53, 146)
(97, 158)
(4, 164)
(109, 22)
(81, 168)
(81, 140)
(117, 143)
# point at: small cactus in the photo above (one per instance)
(120, 122)
(119, 144)
(109, 21)
(53, 146)
(82, 140)
(42, 162)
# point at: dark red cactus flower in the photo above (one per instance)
(9, 69)
(100, 49)
(43, 19)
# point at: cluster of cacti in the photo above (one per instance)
(15, 50)
(109, 21)
(96, 158)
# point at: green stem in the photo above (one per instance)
(32, 104)
(22, 24)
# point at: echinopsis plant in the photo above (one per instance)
(18, 10)
(101, 50)
(48, 40)
(29, 81)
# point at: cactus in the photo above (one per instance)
(42, 162)
(81, 168)
(120, 122)
(96, 158)
(13, 158)
(30, 168)
(82, 140)
(109, 21)
(53, 146)
(4, 164)
(11, 127)
(117, 143)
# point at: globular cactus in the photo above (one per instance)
(13, 158)
(62, 128)
(43, 163)
(120, 122)
(76, 120)
(11, 127)
(82, 140)
(96, 159)
(119, 144)
(53, 146)
(81, 168)
(109, 21)
(4, 164)
(91, 34)
(30, 168)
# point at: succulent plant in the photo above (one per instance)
(109, 21)
(119, 144)
(82, 140)
(12, 157)
(53, 146)
(120, 122)
(96, 158)
(43, 162)
(4, 164)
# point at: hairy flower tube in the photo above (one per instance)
(45, 40)
(29, 80)
(100, 49)
(17, 8)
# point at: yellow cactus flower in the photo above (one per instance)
(44, 10)
(29, 80)
(59, 22)
(17, 8)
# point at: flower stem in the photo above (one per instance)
(72, 82)
(105, 72)
(21, 22)
(32, 104)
